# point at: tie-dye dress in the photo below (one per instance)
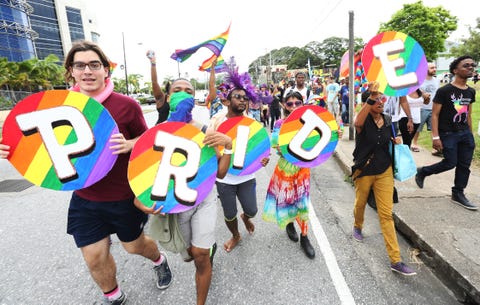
(288, 193)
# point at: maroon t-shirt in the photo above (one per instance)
(131, 123)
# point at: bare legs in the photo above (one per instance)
(101, 264)
(233, 228)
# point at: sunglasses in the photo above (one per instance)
(472, 65)
(241, 97)
(296, 103)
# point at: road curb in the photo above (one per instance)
(461, 287)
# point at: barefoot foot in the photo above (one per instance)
(248, 224)
(231, 243)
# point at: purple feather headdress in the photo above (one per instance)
(240, 81)
(223, 94)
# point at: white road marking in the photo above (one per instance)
(343, 291)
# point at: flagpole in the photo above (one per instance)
(178, 68)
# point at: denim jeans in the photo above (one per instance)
(425, 118)
(457, 152)
(345, 113)
(255, 114)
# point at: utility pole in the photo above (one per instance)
(351, 73)
(270, 67)
(267, 74)
(125, 62)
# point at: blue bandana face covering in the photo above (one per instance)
(181, 106)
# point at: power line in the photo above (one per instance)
(328, 15)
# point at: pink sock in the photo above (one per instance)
(158, 261)
(114, 294)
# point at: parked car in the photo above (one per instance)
(150, 100)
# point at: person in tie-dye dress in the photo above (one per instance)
(288, 193)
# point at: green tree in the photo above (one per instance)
(332, 49)
(32, 74)
(328, 52)
(6, 70)
(119, 85)
(20, 80)
(46, 73)
(147, 88)
(299, 59)
(282, 56)
(134, 83)
(471, 45)
(430, 26)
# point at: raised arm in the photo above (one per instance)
(157, 90)
(371, 100)
(212, 93)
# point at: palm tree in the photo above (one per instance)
(47, 73)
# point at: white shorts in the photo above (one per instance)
(333, 107)
(198, 224)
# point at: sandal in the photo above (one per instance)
(415, 149)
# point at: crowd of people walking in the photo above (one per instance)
(110, 207)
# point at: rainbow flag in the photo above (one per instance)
(360, 80)
(215, 44)
(207, 64)
(113, 65)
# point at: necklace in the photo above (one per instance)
(377, 121)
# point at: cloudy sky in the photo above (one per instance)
(257, 27)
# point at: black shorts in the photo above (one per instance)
(91, 221)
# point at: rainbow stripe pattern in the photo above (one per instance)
(413, 57)
(291, 127)
(214, 44)
(144, 163)
(258, 146)
(360, 80)
(207, 64)
(30, 156)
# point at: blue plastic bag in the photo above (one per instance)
(404, 166)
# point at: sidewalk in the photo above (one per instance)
(447, 235)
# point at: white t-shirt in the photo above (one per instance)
(303, 92)
(392, 107)
(415, 105)
(235, 179)
(430, 86)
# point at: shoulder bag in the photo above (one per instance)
(164, 229)
(404, 166)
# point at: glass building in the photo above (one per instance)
(38, 28)
(44, 21)
(16, 35)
